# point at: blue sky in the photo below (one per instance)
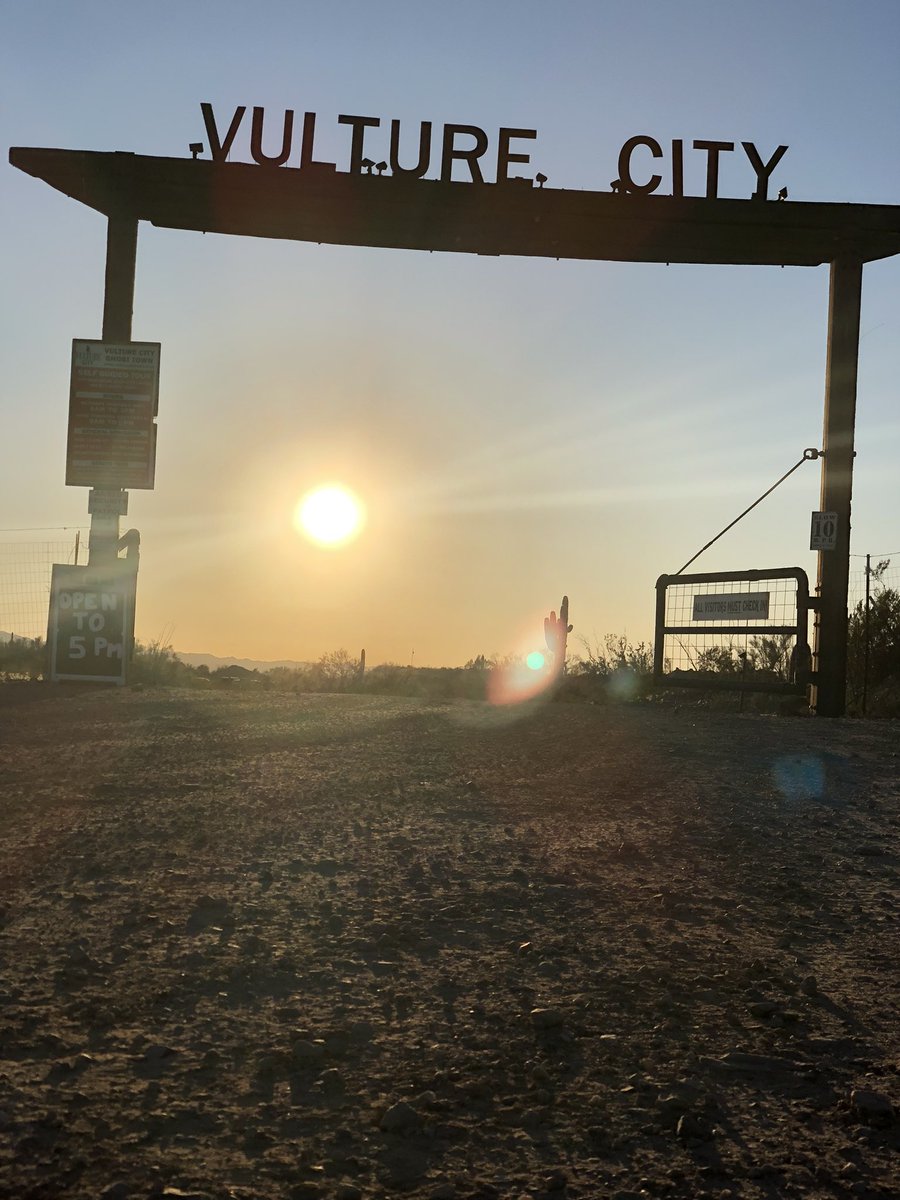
(518, 428)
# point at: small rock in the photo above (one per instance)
(546, 1018)
(809, 986)
(328, 867)
(400, 1118)
(348, 1191)
(337, 1043)
(443, 1191)
(306, 1051)
(556, 1181)
(116, 1191)
(305, 1191)
(689, 1126)
(763, 1008)
(873, 1107)
(403, 1165)
(332, 1082)
(157, 1052)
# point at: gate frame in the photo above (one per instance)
(802, 675)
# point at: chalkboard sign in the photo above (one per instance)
(91, 622)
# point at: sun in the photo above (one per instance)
(330, 516)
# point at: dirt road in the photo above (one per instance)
(349, 947)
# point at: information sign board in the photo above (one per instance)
(113, 399)
(91, 622)
(823, 531)
(733, 606)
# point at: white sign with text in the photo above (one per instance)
(734, 606)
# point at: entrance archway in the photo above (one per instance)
(509, 218)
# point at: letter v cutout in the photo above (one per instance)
(220, 150)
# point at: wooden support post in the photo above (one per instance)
(829, 697)
(118, 299)
(118, 307)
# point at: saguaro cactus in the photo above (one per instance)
(556, 631)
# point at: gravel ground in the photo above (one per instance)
(350, 947)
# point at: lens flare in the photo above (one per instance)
(524, 676)
(800, 778)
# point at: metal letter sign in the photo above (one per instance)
(113, 400)
(823, 531)
(90, 627)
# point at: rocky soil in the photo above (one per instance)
(349, 947)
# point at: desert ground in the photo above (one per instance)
(352, 947)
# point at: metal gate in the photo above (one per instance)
(734, 630)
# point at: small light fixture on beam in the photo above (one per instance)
(195, 148)
(540, 179)
(367, 164)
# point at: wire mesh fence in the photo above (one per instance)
(743, 630)
(887, 577)
(25, 571)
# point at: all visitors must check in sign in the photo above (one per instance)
(112, 408)
(735, 606)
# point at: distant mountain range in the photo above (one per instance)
(214, 661)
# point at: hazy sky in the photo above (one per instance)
(518, 428)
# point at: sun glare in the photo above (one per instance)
(330, 516)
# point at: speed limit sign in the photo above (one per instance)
(823, 531)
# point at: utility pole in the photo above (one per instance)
(844, 301)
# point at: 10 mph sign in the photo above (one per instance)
(823, 531)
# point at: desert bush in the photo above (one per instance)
(615, 669)
(878, 679)
(156, 663)
(23, 658)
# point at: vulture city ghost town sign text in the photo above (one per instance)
(460, 189)
(372, 147)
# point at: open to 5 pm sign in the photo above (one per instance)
(91, 622)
